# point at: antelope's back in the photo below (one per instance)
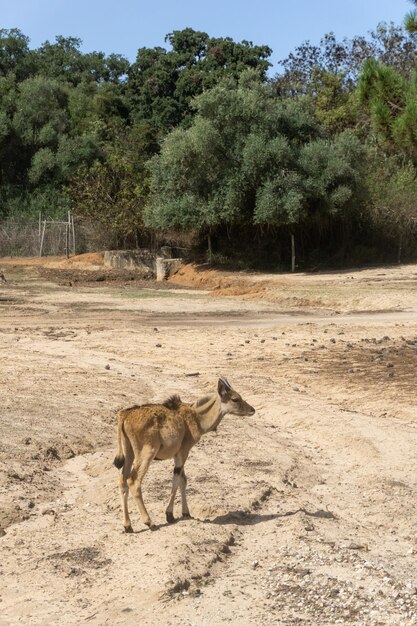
(152, 418)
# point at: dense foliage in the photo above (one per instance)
(197, 138)
(251, 158)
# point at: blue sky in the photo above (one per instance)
(123, 26)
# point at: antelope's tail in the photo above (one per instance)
(119, 459)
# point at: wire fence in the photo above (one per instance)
(25, 238)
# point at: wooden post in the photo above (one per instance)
(67, 239)
(73, 233)
(42, 237)
(292, 253)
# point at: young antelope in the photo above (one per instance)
(167, 431)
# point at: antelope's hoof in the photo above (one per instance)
(150, 525)
(186, 516)
(170, 518)
(128, 529)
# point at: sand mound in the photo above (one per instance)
(220, 283)
(88, 258)
(203, 277)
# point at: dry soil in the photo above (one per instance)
(302, 514)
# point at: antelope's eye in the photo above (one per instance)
(235, 399)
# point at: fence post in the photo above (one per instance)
(42, 237)
(67, 239)
(73, 234)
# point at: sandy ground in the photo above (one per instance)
(302, 514)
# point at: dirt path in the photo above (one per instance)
(304, 513)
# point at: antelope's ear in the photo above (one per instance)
(223, 387)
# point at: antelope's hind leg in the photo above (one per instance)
(135, 483)
(124, 490)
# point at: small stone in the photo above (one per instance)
(107, 367)
(357, 546)
(48, 512)
(158, 345)
(255, 564)
(296, 388)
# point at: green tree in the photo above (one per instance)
(41, 112)
(64, 61)
(58, 109)
(14, 156)
(39, 124)
(15, 55)
(249, 158)
(162, 83)
(392, 190)
(410, 20)
(113, 191)
(391, 100)
(303, 69)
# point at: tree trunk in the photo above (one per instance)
(400, 247)
(292, 253)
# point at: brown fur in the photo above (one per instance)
(165, 431)
(173, 403)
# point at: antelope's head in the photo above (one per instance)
(231, 401)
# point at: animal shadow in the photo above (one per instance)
(241, 518)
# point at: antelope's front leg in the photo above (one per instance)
(183, 487)
(176, 479)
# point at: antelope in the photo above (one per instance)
(2, 277)
(167, 431)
